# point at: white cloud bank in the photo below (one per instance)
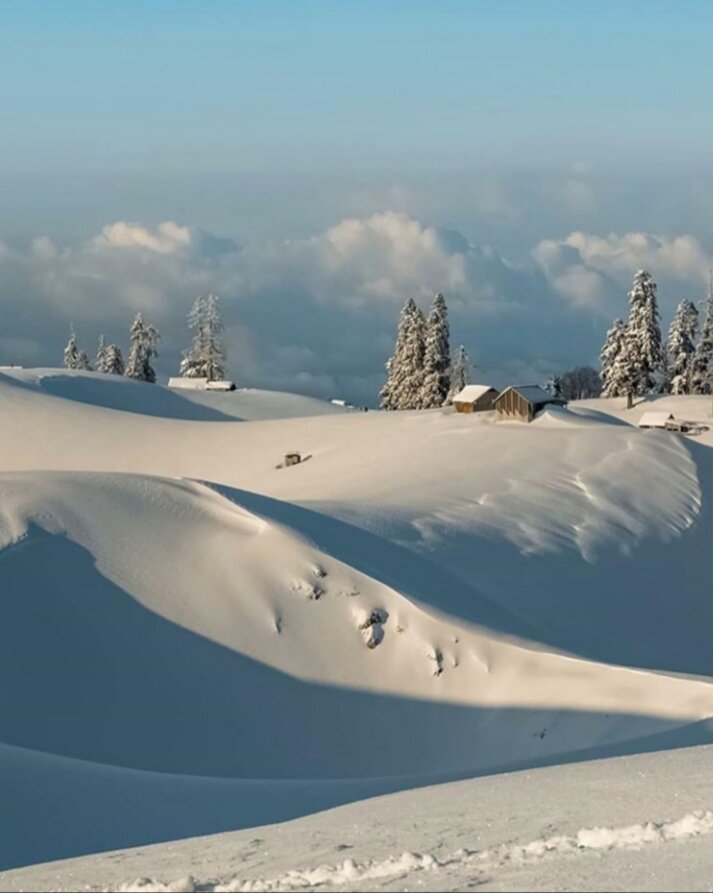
(585, 269)
(166, 239)
(319, 313)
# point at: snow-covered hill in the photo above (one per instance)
(205, 640)
(115, 392)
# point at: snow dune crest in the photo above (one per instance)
(260, 588)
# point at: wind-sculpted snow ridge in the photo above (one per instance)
(589, 500)
(479, 865)
(258, 587)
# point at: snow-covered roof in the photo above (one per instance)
(191, 384)
(472, 392)
(655, 419)
(534, 394)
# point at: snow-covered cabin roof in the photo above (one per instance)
(655, 419)
(472, 392)
(190, 384)
(534, 394)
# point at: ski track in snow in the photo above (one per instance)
(484, 863)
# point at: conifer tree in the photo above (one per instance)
(617, 373)
(553, 385)
(701, 372)
(405, 367)
(680, 348)
(100, 359)
(114, 362)
(83, 361)
(205, 358)
(460, 373)
(214, 349)
(71, 351)
(644, 335)
(193, 362)
(436, 357)
(142, 350)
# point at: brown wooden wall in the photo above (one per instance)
(486, 402)
(482, 404)
(511, 405)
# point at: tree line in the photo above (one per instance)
(635, 360)
(421, 374)
(205, 358)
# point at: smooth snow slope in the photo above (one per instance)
(175, 603)
(636, 823)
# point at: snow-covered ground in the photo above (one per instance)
(199, 640)
(632, 823)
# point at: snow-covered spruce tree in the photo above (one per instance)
(71, 351)
(214, 349)
(701, 371)
(617, 372)
(644, 336)
(193, 362)
(388, 396)
(114, 362)
(142, 350)
(680, 348)
(205, 358)
(460, 373)
(553, 386)
(100, 359)
(405, 368)
(83, 361)
(436, 357)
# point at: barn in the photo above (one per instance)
(520, 403)
(475, 398)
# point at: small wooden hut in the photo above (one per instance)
(520, 403)
(475, 398)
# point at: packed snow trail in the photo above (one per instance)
(479, 865)
(641, 822)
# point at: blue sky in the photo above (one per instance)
(215, 85)
(509, 124)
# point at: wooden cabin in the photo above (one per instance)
(475, 398)
(521, 403)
